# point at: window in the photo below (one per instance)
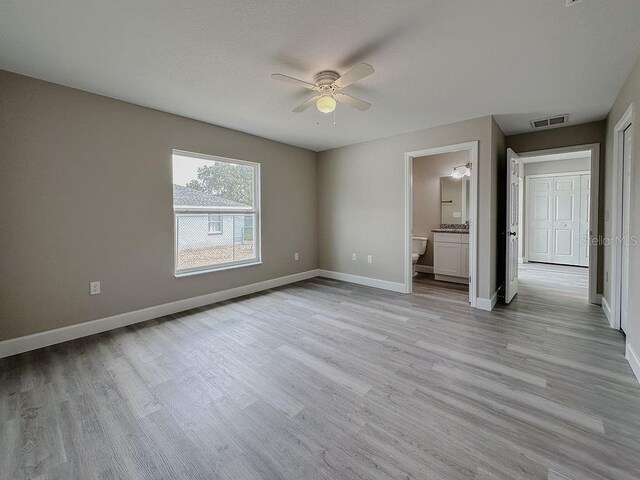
(215, 225)
(216, 211)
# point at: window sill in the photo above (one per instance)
(216, 269)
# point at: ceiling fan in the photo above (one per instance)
(328, 87)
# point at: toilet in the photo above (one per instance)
(418, 247)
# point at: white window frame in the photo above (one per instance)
(210, 224)
(256, 211)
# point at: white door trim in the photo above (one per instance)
(563, 174)
(594, 227)
(616, 212)
(472, 148)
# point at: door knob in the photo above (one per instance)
(513, 234)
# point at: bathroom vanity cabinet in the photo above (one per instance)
(451, 257)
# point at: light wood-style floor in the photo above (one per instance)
(538, 279)
(329, 380)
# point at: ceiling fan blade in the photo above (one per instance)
(306, 104)
(353, 101)
(294, 81)
(356, 73)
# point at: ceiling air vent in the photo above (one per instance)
(548, 122)
(572, 2)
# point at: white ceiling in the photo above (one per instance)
(436, 61)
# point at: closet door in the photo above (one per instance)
(585, 214)
(540, 224)
(566, 220)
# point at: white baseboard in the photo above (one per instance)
(424, 268)
(634, 360)
(487, 304)
(606, 308)
(369, 282)
(14, 346)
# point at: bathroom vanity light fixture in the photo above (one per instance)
(461, 171)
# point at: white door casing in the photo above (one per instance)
(627, 151)
(620, 200)
(593, 150)
(511, 232)
(472, 148)
(585, 214)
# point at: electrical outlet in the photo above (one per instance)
(354, 257)
(370, 258)
(94, 288)
(296, 256)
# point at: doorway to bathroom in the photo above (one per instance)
(441, 231)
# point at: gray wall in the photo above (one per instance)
(630, 93)
(592, 132)
(86, 194)
(426, 194)
(361, 201)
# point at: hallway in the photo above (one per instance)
(541, 278)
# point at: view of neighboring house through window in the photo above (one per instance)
(215, 224)
(216, 210)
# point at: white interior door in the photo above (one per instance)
(627, 142)
(566, 220)
(539, 219)
(511, 233)
(555, 220)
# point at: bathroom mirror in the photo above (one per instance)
(454, 200)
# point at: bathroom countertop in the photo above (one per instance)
(450, 230)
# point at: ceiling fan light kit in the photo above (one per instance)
(326, 104)
(328, 86)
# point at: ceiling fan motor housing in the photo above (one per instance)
(326, 78)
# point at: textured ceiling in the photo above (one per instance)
(436, 61)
